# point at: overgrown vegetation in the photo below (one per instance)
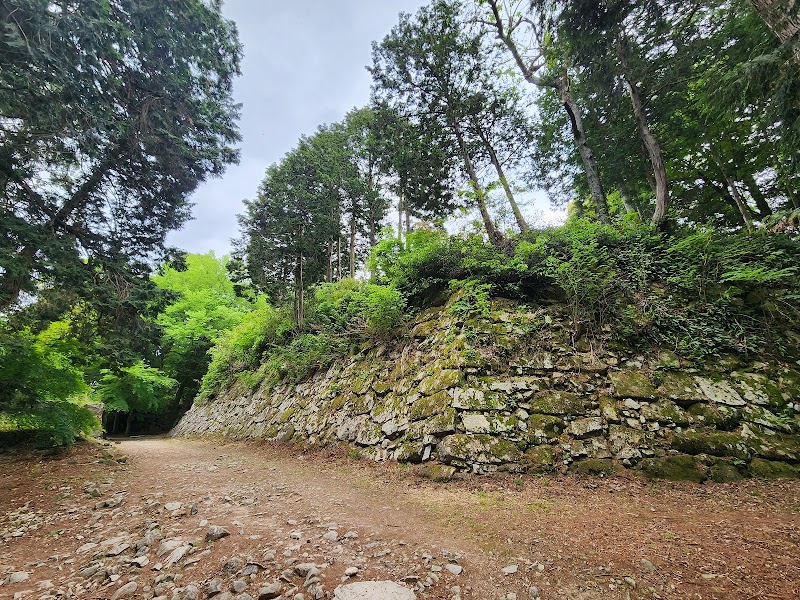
(669, 130)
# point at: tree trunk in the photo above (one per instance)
(408, 220)
(339, 258)
(744, 210)
(590, 165)
(588, 159)
(329, 262)
(298, 291)
(648, 139)
(783, 18)
(762, 205)
(629, 207)
(495, 237)
(521, 223)
(352, 248)
(400, 219)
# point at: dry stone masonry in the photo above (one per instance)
(513, 392)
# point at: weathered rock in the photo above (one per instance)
(769, 469)
(716, 443)
(477, 448)
(539, 460)
(510, 569)
(594, 466)
(665, 412)
(720, 392)
(20, 576)
(586, 427)
(681, 388)
(437, 472)
(679, 467)
(556, 402)
(632, 384)
(126, 591)
(373, 590)
(216, 532)
(269, 591)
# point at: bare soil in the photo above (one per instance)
(570, 537)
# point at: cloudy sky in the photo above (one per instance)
(304, 65)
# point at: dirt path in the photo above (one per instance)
(90, 524)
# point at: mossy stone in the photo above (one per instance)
(381, 386)
(758, 415)
(679, 467)
(594, 466)
(718, 416)
(436, 472)
(410, 451)
(665, 412)
(756, 388)
(476, 399)
(609, 409)
(720, 391)
(632, 384)
(545, 426)
(556, 402)
(358, 385)
(439, 424)
(769, 469)
(539, 460)
(424, 329)
(724, 472)
(427, 406)
(440, 380)
(479, 448)
(681, 388)
(715, 443)
(779, 447)
(480, 423)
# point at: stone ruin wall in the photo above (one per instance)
(511, 392)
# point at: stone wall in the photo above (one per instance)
(513, 392)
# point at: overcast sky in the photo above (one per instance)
(304, 65)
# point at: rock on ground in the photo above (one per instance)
(373, 590)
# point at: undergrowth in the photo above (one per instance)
(698, 291)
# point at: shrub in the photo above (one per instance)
(42, 389)
(243, 347)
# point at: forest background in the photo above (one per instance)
(670, 131)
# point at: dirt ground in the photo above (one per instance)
(93, 522)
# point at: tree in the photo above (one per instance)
(290, 226)
(432, 72)
(112, 113)
(547, 66)
(783, 17)
(206, 306)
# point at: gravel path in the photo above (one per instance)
(181, 519)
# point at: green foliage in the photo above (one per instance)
(472, 299)
(578, 259)
(42, 389)
(353, 308)
(47, 424)
(135, 390)
(243, 347)
(207, 306)
(423, 268)
(268, 345)
(112, 114)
